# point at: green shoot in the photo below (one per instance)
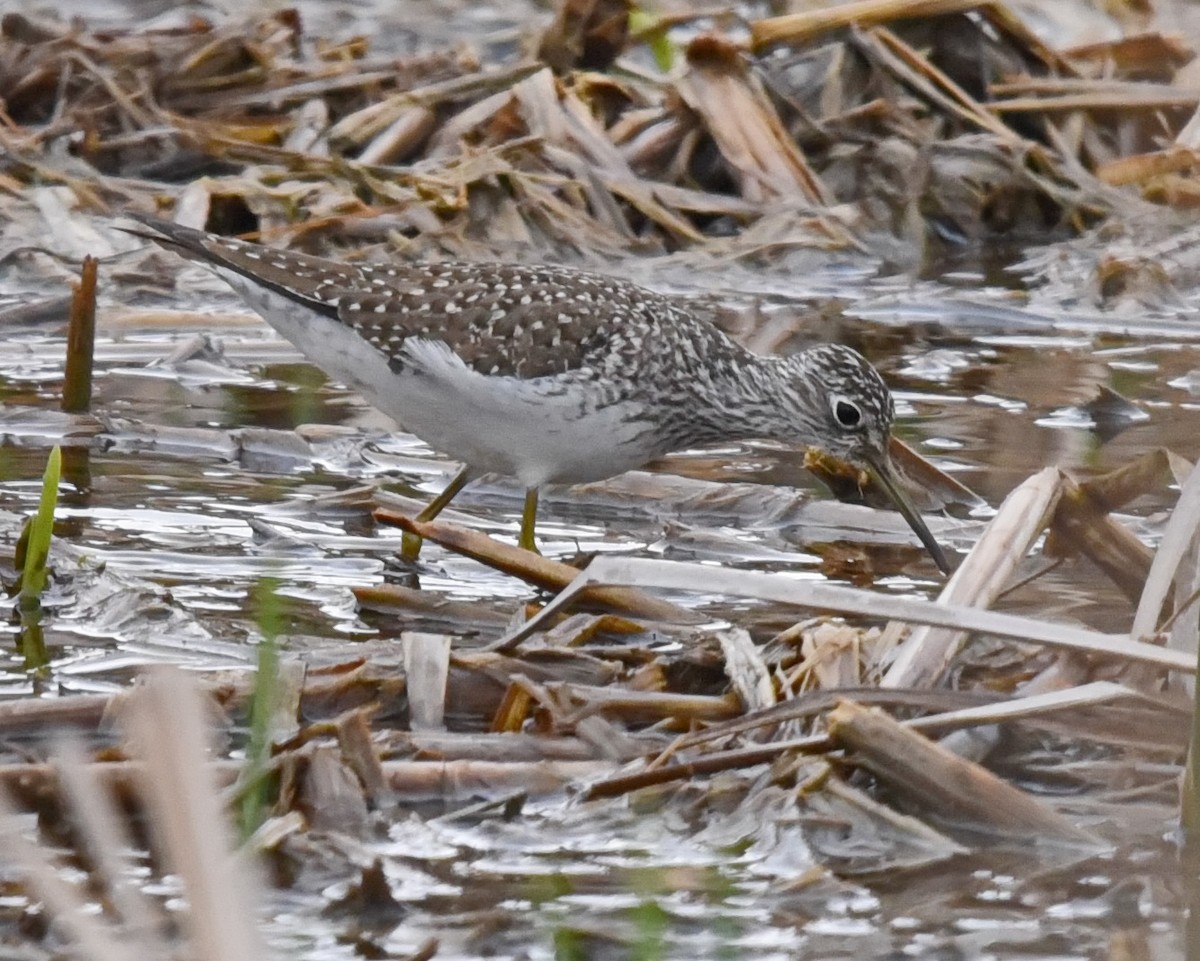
(651, 922)
(262, 707)
(38, 531)
(654, 33)
(33, 552)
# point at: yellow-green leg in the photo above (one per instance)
(410, 544)
(529, 521)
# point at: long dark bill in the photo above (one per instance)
(883, 472)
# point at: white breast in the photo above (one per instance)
(537, 430)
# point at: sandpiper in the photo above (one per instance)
(550, 374)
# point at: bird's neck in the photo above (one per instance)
(738, 399)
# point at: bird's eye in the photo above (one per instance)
(848, 413)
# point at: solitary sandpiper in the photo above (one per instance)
(550, 374)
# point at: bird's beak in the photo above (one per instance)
(882, 471)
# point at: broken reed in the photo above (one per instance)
(1189, 795)
(81, 342)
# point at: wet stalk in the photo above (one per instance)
(81, 342)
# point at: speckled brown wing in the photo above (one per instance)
(500, 319)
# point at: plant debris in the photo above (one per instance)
(653, 696)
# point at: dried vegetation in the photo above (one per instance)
(878, 124)
(885, 127)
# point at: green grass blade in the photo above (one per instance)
(41, 526)
(262, 708)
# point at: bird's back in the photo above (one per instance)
(499, 319)
(548, 373)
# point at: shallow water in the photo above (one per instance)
(198, 477)
(177, 512)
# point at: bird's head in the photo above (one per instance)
(844, 409)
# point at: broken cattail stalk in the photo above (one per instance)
(943, 782)
(542, 572)
(81, 342)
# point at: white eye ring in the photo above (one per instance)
(846, 412)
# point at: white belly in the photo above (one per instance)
(530, 429)
(527, 429)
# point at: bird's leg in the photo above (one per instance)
(410, 544)
(529, 521)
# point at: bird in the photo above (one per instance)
(550, 374)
